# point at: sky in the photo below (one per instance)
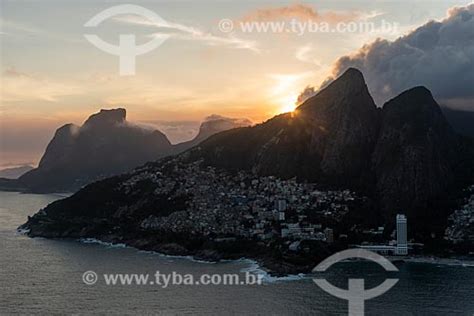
(52, 75)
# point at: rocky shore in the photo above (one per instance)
(274, 259)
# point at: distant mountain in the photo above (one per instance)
(461, 121)
(15, 173)
(105, 145)
(211, 125)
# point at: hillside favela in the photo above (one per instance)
(242, 158)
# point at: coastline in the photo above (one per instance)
(455, 261)
(254, 266)
(257, 267)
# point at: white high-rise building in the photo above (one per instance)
(280, 205)
(402, 244)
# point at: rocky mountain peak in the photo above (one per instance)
(107, 117)
(414, 100)
(417, 110)
(346, 95)
(352, 77)
(414, 156)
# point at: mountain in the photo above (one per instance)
(405, 155)
(329, 138)
(213, 124)
(337, 160)
(415, 155)
(106, 144)
(461, 121)
(16, 172)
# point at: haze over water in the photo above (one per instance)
(41, 276)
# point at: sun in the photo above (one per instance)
(287, 104)
(283, 92)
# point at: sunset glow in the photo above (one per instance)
(288, 104)
(198, 71)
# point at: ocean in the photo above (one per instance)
(45, 277)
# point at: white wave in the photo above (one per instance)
(255, 268)
(190, 258)
(103, 243)
(23, 231)
(120, 245)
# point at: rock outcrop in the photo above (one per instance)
(106, 144)
(328, 139)
(415, 155)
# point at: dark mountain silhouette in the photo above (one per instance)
(105, 145)
(329, 138)
(461, 121)
(415, 155)
(15, 172)
(211, 125)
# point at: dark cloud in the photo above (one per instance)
(438, 55)
(307, 93)
(234, 121)
(176, 131)
(181, 131)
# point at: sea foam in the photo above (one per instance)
(255, 268)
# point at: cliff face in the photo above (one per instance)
(106, 144)
(415, 154)
(327, 139)
(344, 122)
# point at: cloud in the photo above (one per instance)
(190, 33)
(305, 12)
(181, 131)
(438, 55)
(20, 86)
(176, 131)
(307, 93)
(234, 121)
(305, 54)
(20, 29)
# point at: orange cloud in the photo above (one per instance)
(301, 11)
